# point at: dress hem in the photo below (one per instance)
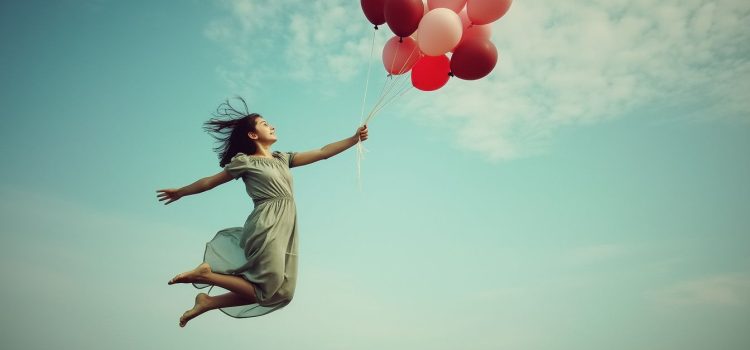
(273, 307)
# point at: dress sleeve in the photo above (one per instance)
(237, 165)
(290, 156)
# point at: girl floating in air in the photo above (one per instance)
(256, 263)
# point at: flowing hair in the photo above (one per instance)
(229, 126)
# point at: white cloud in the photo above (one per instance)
(561, 64)
(729, 289)
(309, 40)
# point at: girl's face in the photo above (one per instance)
(263, 131)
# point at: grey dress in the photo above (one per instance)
(264, 250)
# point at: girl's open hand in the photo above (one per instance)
(170, 194)
(361, 132)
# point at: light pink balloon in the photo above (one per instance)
(399, 57)
(439, 31)
(486, 11)
(477, 32)
(473, 32)
(455, 5)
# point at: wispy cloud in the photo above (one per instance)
(560, 64)
(725, 289)
(564, 65)
(297, 40)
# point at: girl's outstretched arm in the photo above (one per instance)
(204, 184)
(329, 150)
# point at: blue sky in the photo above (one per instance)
(592, 192)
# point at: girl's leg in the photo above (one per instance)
(204, 303)
(236, 284)
(203, 274)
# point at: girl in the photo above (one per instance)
(256, 263)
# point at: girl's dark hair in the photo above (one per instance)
(229, 127)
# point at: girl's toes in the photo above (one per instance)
(184, 319)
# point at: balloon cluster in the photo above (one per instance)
(426, 33)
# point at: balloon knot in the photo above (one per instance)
(400, 39)
(451, 74)
(376, 27)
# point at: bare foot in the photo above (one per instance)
(201, 306)
(194, 275)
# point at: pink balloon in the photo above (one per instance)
(439, 32)
(400, 55)
(473, 32)
(476, 32)
(454, 5)
(431, 72)
(486, 11)
(464, 18)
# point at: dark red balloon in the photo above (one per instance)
(430, 72)
(403, 16)
(473, 59)
(373, 10)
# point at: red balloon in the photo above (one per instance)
(473, 59)
(373, 10)
(403, 16)
(430, 72)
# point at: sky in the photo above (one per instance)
(590, 193)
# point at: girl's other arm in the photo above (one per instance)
(202, 185)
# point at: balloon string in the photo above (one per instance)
(401, 70)
(389, 78)
(399, 80)
(384, 99)
(387, 85)
(362, 112)
(390, 75)
(395, 81)
(360, 147)
(367, 82)
(393, 61)
(403, 89)
(413, 50)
